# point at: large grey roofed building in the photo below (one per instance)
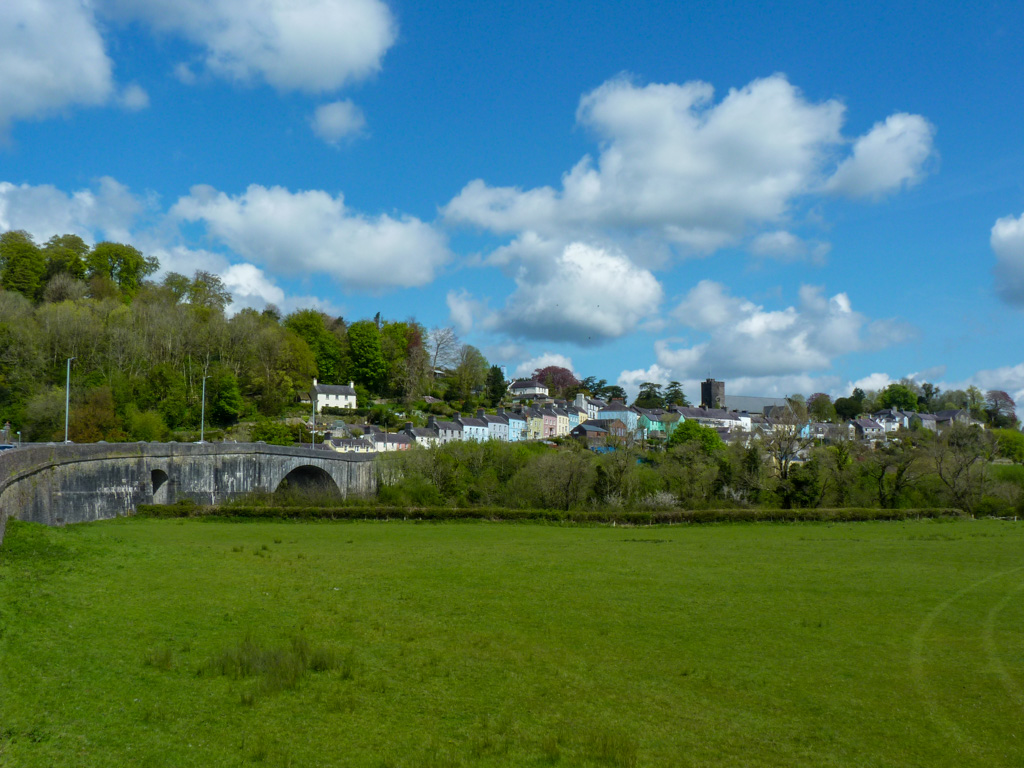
(752, 404)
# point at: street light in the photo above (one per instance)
(67, 401)
(202, 419)
(19, 439)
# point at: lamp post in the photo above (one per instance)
(19, 439)
(67, 400)
(202, 418)
(312, 422)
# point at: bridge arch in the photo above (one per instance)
(158, 478)
(308, 477)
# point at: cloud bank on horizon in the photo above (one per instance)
(623, 249)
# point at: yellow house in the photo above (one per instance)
(534, 424)
(561, 422)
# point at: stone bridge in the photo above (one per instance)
(58, 484)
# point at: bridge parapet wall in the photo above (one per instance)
(59, 484)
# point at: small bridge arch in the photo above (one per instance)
(158, 478)
(309, 477)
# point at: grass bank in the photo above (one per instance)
(185, 642)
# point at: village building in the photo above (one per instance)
(497, 425)
(867, 429)
(422, 436)
(527, 390)
(473, 429)
(332, 396)
(447, 431)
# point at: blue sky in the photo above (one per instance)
(791, 197)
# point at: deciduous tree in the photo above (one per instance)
(557, 379)
(961, 458)
(443, 347)
(897, 396)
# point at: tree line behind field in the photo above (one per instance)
(696, 470)
(142, 349)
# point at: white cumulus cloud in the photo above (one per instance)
(312, 232)
(306, 45)
(338, 120)
(51, 57)
(673, 160)
(249, 284)
(695, 173)
(579, 293)
(747, 340)
(1007, 240)
(108, 210)
(889, 156)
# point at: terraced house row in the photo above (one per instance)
(539, 417)
(599, 423)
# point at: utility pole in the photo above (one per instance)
(202, 419)
(67, 401)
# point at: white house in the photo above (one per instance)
(528, 390)
(333, 396)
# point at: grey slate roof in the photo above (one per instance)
(607, 424)
(334, 389)
(751, 404)
(866, 423)
(689, 412)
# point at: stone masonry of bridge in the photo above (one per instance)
(59, 484)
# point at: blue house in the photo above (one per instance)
(617, 409)
(516, 425)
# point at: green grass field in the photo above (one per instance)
(192, 643)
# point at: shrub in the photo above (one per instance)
(576, 516)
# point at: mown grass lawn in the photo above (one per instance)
(858, 644)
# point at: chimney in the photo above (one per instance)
(432, 423)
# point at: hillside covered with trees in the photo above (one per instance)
(141, 349)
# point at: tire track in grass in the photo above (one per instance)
(1013, 688)
(948, 725)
